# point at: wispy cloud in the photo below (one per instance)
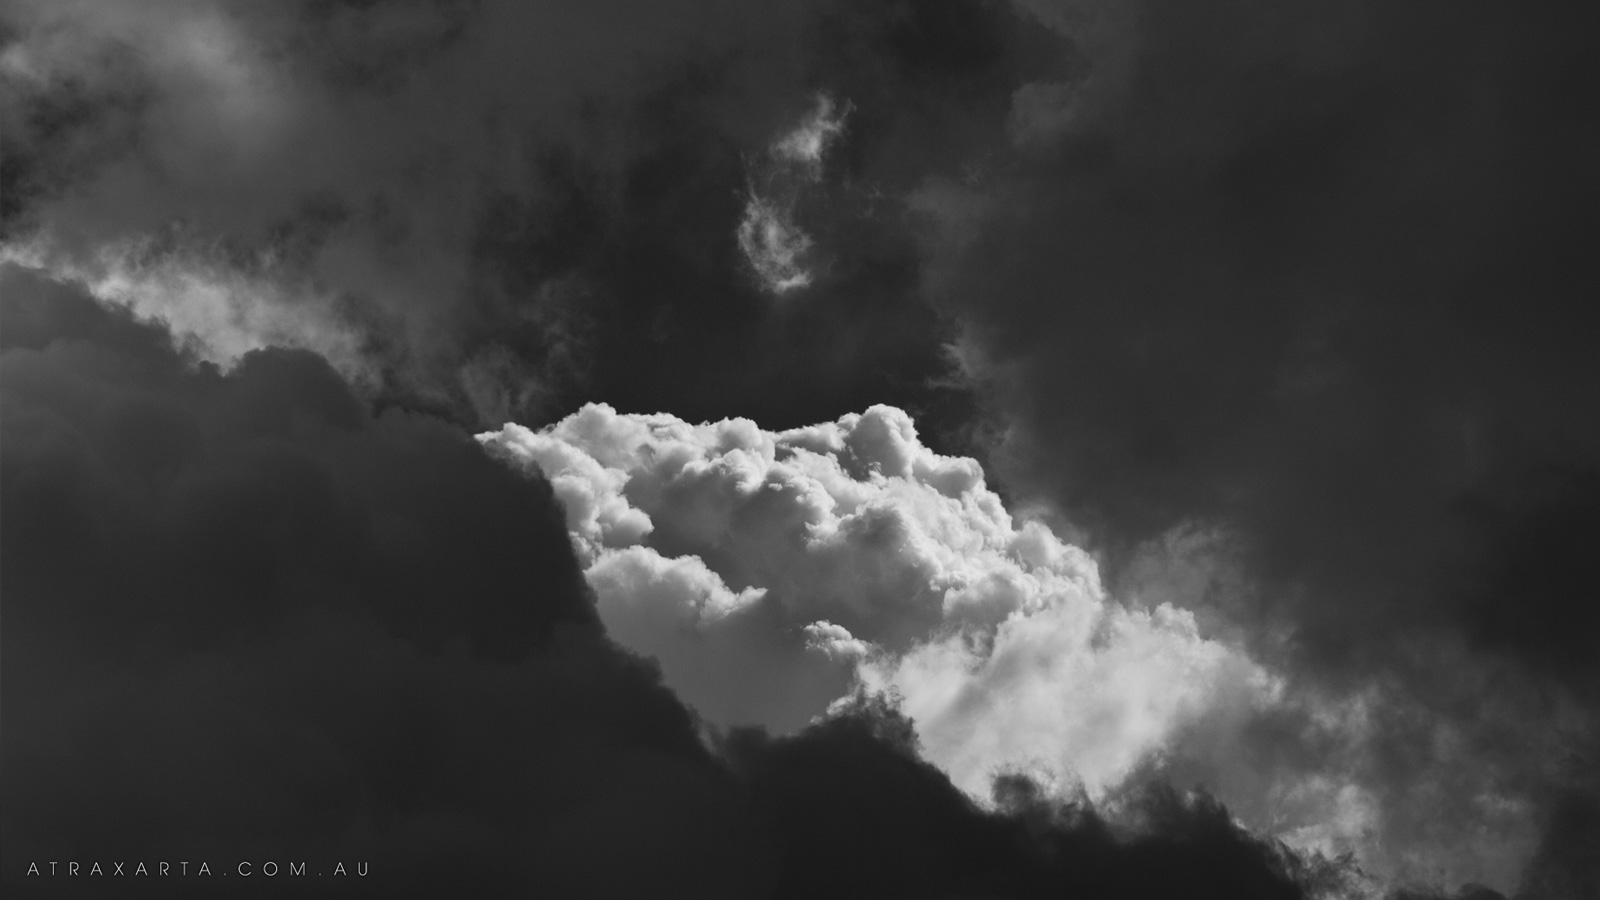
(773, 242)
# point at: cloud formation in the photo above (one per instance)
(518, 210)
(772, 573)
(1276, 307)
(776, 575)
(220, 309)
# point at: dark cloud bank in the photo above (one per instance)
(1284, 308)
(1294, 318)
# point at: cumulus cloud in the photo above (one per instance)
(772, 573)
(780, 575)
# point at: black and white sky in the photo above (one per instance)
(802, 448)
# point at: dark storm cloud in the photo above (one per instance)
(249, 618)
(1315, 274)
(116, 444)
(1312, 282)
(1533, 540)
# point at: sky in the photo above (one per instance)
(786, 448)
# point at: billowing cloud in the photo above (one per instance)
(776, 575)
(771, 573)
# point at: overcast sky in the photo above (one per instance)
(746, 448)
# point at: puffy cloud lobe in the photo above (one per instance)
(769, 572)
(1064, 694)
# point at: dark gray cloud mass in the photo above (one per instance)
(1281, 308)
(1304, 292)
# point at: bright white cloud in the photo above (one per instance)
(772, 573)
